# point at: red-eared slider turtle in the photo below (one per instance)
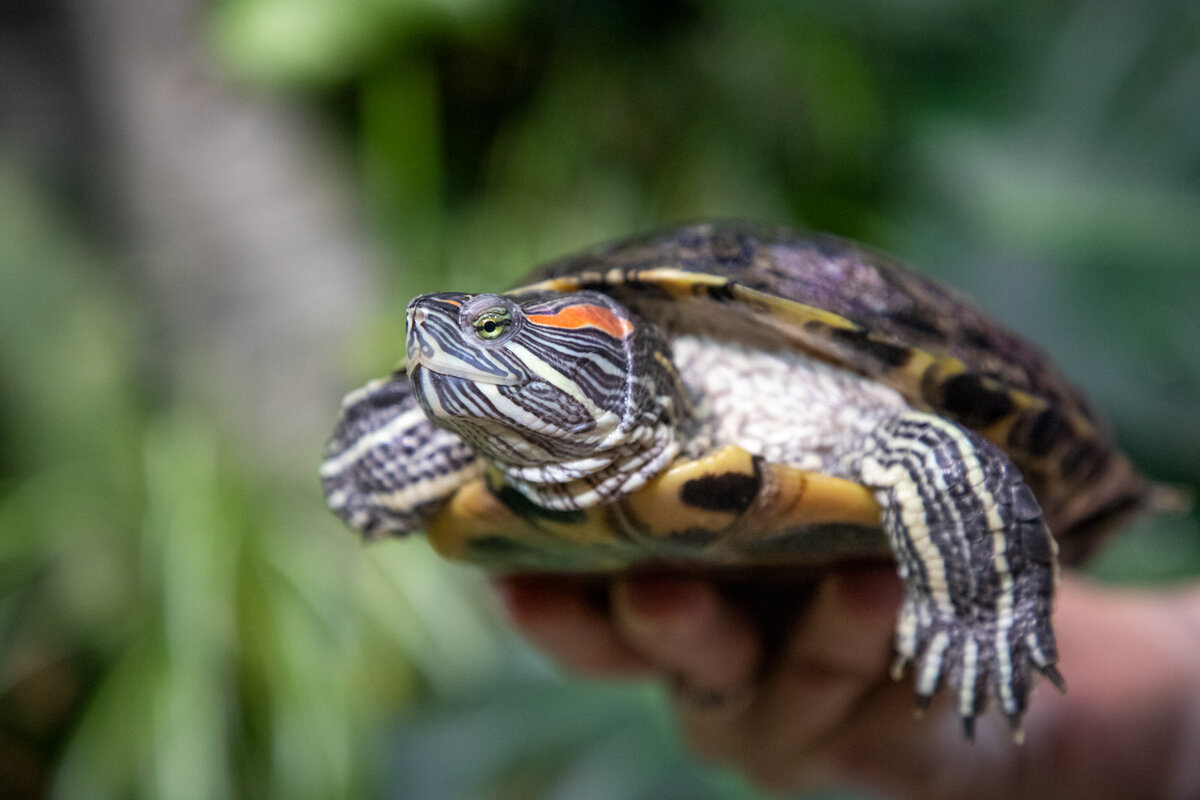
(724, 395)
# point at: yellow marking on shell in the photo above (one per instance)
(805, 498)
(917, 372)
(474, 515)
(924, 368)
(792, 310)
(561, 284)
(793, 498)
(1023, 403)
(659, 509)
(676, 282)
(790, 498)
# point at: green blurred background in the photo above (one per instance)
(212, 214)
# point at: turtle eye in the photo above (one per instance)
(492, 323)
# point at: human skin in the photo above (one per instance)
(823, 711)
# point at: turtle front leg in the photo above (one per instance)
(978, 563)
(387, 469)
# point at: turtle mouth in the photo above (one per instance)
(456, 370)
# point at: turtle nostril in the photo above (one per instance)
(419, 315)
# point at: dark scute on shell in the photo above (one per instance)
(732, 492)
(722, 293)
(907, 318)
(1038, 433)
(893, 355)
(643, 289)
(972, 401)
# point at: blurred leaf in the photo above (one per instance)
(576, 742)
(312, 41)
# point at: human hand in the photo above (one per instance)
(818, 708)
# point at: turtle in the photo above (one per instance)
(729, 395)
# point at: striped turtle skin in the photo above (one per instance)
(728, 396)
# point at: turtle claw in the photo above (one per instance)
(968, 726)
(1016, 724)
(1055, 677)
(967, 657)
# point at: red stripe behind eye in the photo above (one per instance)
(586, 315)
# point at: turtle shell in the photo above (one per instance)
(728, 507)
(859, 310)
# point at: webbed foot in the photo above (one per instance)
(981, 660)
(978, 563)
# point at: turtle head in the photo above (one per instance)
(573, 397)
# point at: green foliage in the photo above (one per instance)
(211, 631)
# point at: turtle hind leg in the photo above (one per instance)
(977, 561)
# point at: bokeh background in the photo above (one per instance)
(213, 213)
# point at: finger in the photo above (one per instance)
(836, 659)
(567, 617)
(680, 624)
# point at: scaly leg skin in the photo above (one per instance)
(387, 469)
(977, 561)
